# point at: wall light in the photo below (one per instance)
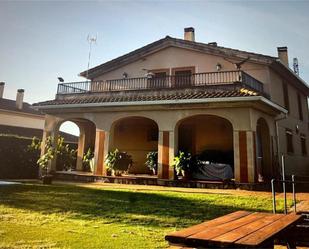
(219, 67)
(125, 75)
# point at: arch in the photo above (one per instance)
(209, 136)
(86, 141)
(265, 169)
(136, 135)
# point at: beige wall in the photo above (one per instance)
(132, 135)
(21, 120)
(296, 163)
(206, 133)
(178, 57)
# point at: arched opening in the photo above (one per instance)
(136, 136)
(208, 137)
(265, 170)
(79, 135)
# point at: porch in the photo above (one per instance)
(222, 135)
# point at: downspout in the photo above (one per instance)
(277, 137)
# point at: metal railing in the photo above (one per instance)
(284, 181)
(167, 82)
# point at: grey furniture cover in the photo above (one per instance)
(213, 171)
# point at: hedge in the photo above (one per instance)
(16, 161)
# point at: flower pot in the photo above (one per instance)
(47, 179)
(116, 172)
(154, 171)
(185, 175)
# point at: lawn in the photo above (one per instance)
(68, 216)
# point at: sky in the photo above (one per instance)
(42, 40)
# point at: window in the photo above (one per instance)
(286, 96)
(303, 145)
(183, 76)
(289, 141)
(300, 109)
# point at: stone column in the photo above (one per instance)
(100, 151)
(165, 155)
(80, 149)
(244, 156)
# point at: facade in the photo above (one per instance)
(178, 94)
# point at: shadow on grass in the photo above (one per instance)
(126, 206)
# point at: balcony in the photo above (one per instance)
(223, 78)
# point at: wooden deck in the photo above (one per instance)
(240, 229)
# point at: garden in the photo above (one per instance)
(61, 215)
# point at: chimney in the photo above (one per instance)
(20, 98)
(283, 55)
(189, 34)
(1, 89)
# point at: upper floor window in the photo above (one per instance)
(303, 144)
(183, 76)
(300, 108)
(289, 141)
(286, 96)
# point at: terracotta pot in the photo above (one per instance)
(47, 179)
(185, 175)
(116, 172)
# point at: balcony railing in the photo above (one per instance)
(168, 82)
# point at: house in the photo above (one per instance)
(179, 94)
(19, 118)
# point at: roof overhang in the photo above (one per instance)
(275, 107)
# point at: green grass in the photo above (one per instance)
(62, 216)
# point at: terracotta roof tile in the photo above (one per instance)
(146, 96)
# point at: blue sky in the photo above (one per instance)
(43, 40)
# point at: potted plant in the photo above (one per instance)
(118, 162)
(182, 163)
(152, 161)
(44, 161)
(88, 161)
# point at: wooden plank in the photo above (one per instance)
(247, 229)
(212, 232)
(179, 236)
(261, 235)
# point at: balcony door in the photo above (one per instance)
(159, 79)
(183, 77)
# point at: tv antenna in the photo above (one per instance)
(91, 40)
(295, 66)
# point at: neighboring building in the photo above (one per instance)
(178, 94)
(18, 117)
(21, 119)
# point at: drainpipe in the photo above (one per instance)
(277, 136)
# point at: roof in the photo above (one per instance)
(135, 96)
(174, 42)
(10, 105)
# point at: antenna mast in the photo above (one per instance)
(91, 40)
(295, 66)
